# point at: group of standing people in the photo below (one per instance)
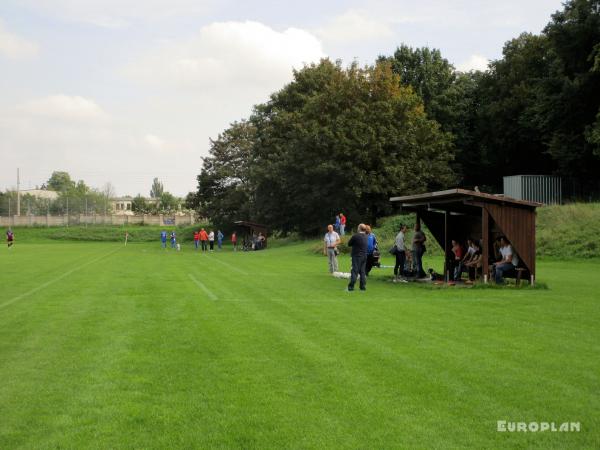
(409, 264)
(207, 240)
(365, 253)
(340, 224)
(202, 239)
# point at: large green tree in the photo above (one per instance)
(572, 94)
(340, 139)
(224, 185)
(60, 181)
(539, 104)
(157, 188)
(449, 97)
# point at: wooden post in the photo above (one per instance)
(485, 244)
(446, 273)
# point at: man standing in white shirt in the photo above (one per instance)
(330, 243)
(400, 253)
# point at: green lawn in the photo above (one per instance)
(105, 346)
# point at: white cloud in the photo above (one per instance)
(154, 142)
(15, 47)
(229, 55)
(75, 134)
(475, 62)
(355, 26)
(64, 107)
(117, 13)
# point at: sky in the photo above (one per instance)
(122, 91)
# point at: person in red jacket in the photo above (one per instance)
(196, 239)
(342, 224)
(234, 241)
(204, 239)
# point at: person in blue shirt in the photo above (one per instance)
(371, 248)
(163, 238)
(173, 240)
(220, 237)
(336, 227)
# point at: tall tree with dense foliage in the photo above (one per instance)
(139, 204)
(60, 182)
(540, 102)
(449, 98)
(225, 190)
(157, 188)
(340, 139)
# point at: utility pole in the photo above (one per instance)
(18, 192)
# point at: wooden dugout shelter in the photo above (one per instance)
(251, 229)
(460, 214)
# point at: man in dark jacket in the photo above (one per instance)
(359, 243)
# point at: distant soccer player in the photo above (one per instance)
(234, 241)
(10, 238)
(173, 240)
(163, 238)
(196, 239)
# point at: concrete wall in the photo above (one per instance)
(95, 219)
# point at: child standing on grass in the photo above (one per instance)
(163, 238)
(10, 238)
(220, 237)
(173, 240)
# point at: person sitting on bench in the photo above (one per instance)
(475, 262)
(461, 266)
(507, 266)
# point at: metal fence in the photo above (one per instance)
(537, 188)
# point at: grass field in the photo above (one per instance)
(105, 346)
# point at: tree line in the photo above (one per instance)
(344, 139)
(76, 197)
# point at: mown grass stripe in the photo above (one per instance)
(207, 291)
(54, 280)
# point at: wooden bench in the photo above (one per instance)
(519, 271)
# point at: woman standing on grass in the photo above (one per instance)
(400, 253)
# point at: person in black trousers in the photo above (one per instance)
(359, 243)
(400, 253)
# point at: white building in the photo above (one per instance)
(40, 193)
(122, 206)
